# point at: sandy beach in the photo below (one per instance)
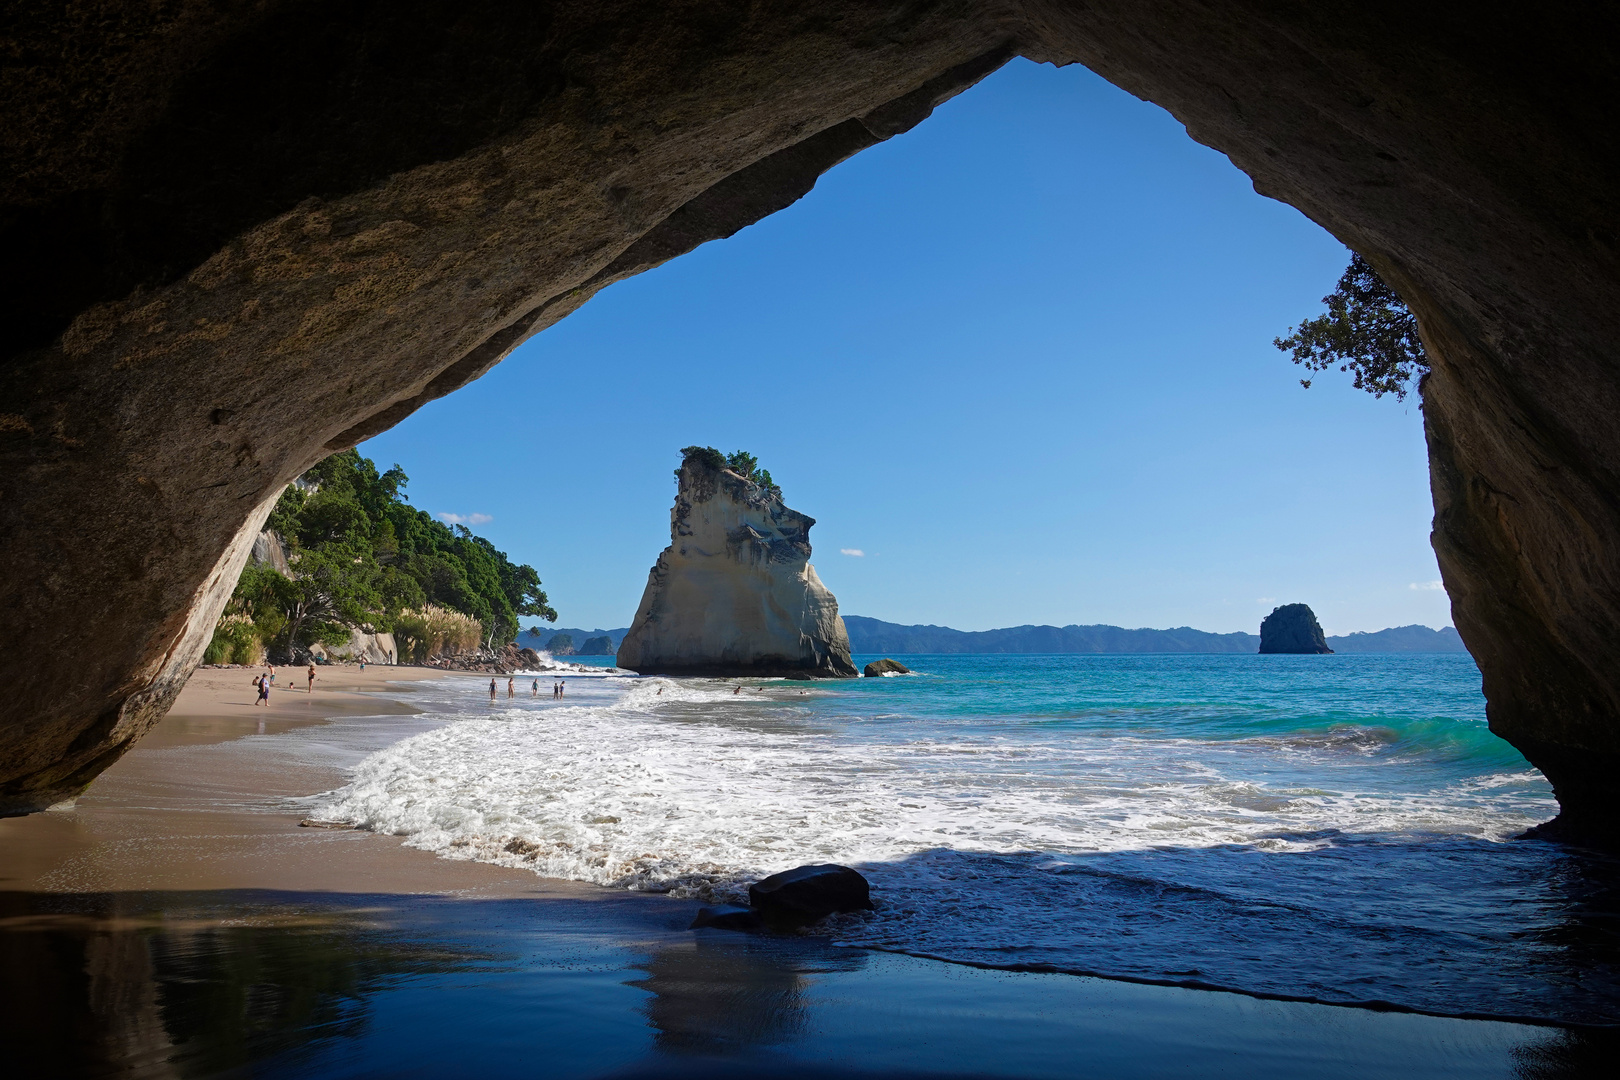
(179, 920)
(187, 809)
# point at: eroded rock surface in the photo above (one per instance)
(202, 205)
(1292, 628)
(734, 593)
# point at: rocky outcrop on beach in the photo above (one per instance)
(506, 661)
(490, 662)
(1292, 628)
(734, 593)
(371, 648)
(879, 668)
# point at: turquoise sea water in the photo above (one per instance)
(1336, 828)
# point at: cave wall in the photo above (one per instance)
(237, 236)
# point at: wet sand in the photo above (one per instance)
(202, 802)
(178, 920)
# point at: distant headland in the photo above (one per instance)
(868, 636)
(875, 636)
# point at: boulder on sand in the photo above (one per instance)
(879, 668)
(1292, 628)
(808, 894)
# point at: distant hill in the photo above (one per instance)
(875, 636)
(1414, 638)
(580, 637)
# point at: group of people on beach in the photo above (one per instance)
(557, 687)
(263, 682)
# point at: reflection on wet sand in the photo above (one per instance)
(723, 992)
(203, 984)
(158, 985)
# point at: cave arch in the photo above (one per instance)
(201, 203)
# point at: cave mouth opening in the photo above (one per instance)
(1043, 228)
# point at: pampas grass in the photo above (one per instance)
(433, 631)
(236, 641)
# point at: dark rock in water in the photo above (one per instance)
(807, 894)
(878, 668)
(1292, 628)
(727, 917)
(530, 658)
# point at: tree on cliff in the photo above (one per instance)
(1367, 330)
(741, 462)
(362, 556)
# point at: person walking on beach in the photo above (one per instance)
(312, 678)
(272, 674)
(263, 682)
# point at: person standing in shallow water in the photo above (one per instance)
(492, 689)
(534, 689)
(509, 684)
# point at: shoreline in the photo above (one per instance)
(207, 800)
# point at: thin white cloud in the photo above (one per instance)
(1265, 599)
(856, 552)
(466, 519)
(1426, 586)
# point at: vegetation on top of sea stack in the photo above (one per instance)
(741, 462)
(363, 558)
(1368, 330)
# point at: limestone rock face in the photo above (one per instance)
(268, 550)
(1292, 628)
(734, 593)
(372, 648)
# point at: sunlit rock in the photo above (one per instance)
(734, 593)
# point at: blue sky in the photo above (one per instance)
(1018, 359)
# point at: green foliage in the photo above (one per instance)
(708, 455)
(741, 462)
(362, 556)
(1368, 330)
(561, 645)
(236, 641)
(597, 646)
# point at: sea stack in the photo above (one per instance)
(1292, 628)
(734, 593)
